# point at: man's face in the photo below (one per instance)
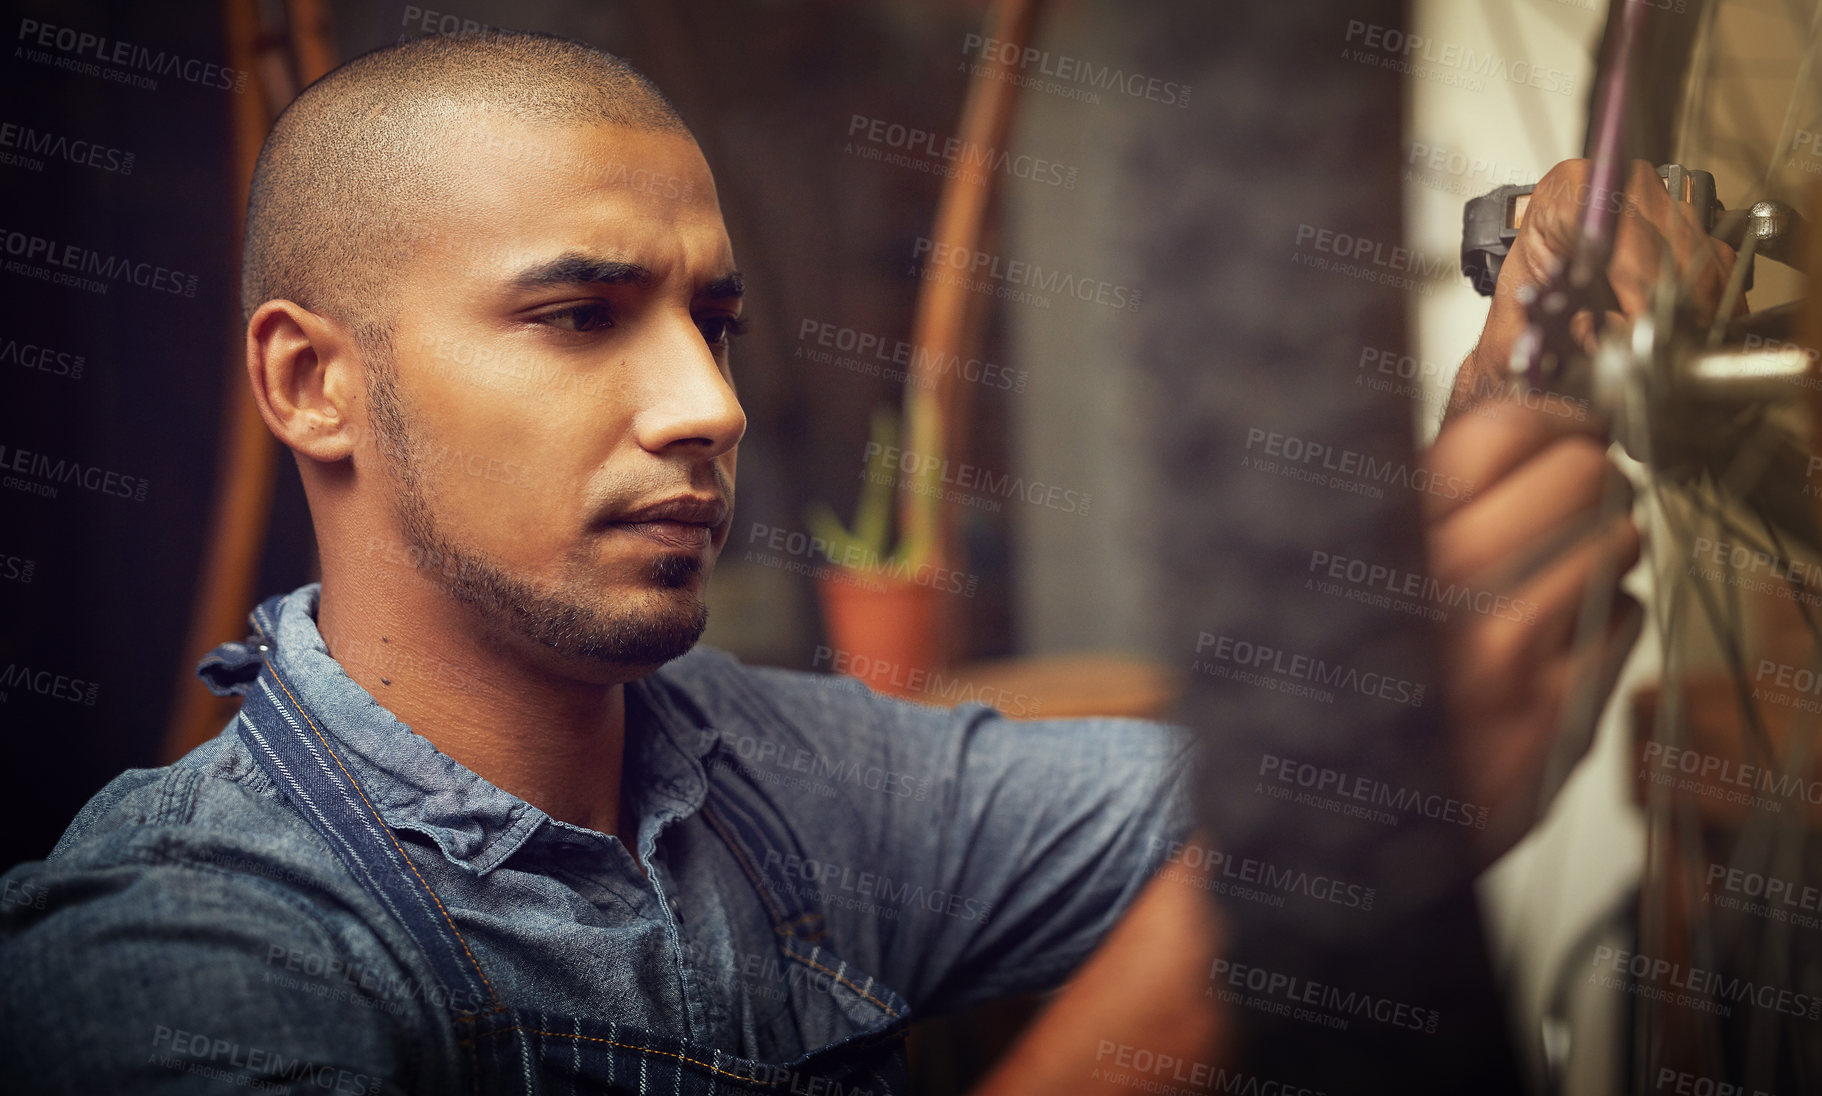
(558, 423)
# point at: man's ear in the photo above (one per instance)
(308, 377)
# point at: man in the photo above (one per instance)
(486, 820)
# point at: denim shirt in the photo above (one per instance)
(191, 924)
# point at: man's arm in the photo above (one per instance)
(1544, 480)
(179, 978)
(960, 855)
(1140, 1008)
(1057, 826)
(1143, 1000)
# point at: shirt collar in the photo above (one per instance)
(476, 824)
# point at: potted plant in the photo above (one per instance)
(881, 610)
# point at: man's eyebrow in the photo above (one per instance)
(575, 268)
(727, 287)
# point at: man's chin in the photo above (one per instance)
(676, 572)
(644, 635)
(655, 641)
(639, 629)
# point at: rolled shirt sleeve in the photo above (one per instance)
(964, 855)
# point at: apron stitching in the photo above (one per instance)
(846, 982)
(389, 835)
(681, 1057)
(759, 882)
(654, 1050)
(801, 925)
(758, 878)
(314, 809)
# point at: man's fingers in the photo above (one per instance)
(1482, 448)
(1587, 676)
(1599, 668)
(1553, 216)
(1586, 335)
(1654, 231)
(1640, 250)
(1530, 517)
(1534, 506)
(1559, 591)
(1700, 263)
(1652, 228)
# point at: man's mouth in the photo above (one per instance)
(685, 522)
(686, 535)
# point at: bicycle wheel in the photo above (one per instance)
(1715, 419)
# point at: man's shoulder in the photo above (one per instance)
(787, 723)
(213, 811)
(725, 688)
(192, 900)
(729, 692)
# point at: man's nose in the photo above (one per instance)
(687, 401)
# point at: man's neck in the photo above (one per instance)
(485, 700)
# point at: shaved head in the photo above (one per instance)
(339, 193)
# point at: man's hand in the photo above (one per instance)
(1533, 532)
(1653, 229)
(1535, 529)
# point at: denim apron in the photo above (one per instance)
(513, 1048)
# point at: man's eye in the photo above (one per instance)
(580, 318)
(718, 330)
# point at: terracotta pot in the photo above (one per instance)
(885, 632)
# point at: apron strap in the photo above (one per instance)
(302, 760)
